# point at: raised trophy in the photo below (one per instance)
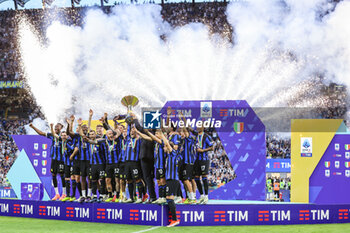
(129, 101)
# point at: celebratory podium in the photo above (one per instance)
(320, 171)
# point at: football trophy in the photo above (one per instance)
(129, 101)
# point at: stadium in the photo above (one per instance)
(174, 116)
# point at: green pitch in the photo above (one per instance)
(12, 224)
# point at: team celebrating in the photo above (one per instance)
(126, 157)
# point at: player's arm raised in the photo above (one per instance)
(38, 131)
(53, 131)
(154, 138)
(182, 118)
(166, 143)
(90, 116)
(80, 129)
(143, 136)
(168, 113)
(70, 126)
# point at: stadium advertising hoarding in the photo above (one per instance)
(116, 213)
(7, 192)
(189, 215)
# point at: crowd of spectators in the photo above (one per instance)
(8, 148)
(220, 171)
(211, 14)
(335, 97)
(8, 55)
(277, 147)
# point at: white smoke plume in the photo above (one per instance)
(277, 45)
(40, 124)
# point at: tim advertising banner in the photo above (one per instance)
(189, 215)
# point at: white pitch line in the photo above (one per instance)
(150, 229)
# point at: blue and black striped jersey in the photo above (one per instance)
(203, 141)
(123, 145)
(55, 150)
(175, 139)
(133, 146)
(68, 148)
(189, 150)
(159, 156)
(84, 151)
(97, 154)
(110, 148)
(173, 161)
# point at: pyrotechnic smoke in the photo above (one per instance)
(277, 45)
(40, 124)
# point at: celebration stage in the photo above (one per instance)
(320, 171)
(214, 213)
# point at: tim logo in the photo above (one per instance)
(273, 215)
(22, 209)
(143, 215)
(77, 212)
(49, 211)
(233, 112)
(101, 213)
(304, 215)
(151, 119)
(343, 214)
(106, 213)
(231, 216)
(206, 109)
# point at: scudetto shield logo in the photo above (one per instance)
(238, 127)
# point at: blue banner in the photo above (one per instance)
(7, 192)
(278, 165)
(189, 215)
